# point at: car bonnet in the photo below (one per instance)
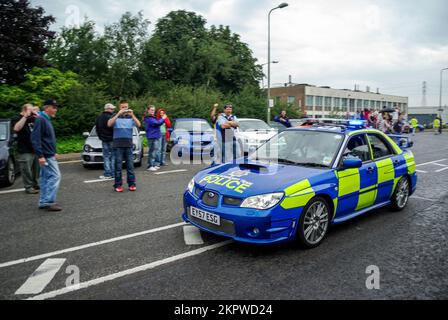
(245, 180)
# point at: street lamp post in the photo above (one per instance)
(441, 87)
(262, 79)
(280, 6)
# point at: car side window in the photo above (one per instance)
(380, 147)
(357, 147)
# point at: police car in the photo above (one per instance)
(300, 182)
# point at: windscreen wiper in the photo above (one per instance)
(312, 164)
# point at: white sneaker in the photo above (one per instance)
(152, 169)
(157, 167)
(105, 178)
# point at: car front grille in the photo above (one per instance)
(210, 198)
(227, 226)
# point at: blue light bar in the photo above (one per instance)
(357, 124)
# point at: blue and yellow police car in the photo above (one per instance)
(300, 182)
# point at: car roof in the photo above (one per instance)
(190, 119)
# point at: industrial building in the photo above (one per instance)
(320, 102)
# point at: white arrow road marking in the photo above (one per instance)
(421, 198)
(172, 171)
(93, 244)
(192, 236)
(431, 162)
(40, 278)
(446, 168)
(421, 171)
(12, 191)
(152, 265)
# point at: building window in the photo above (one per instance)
(309, 102)
(337, 102)
(291, 100)
(378, 104)
(352, 105)
(389, 104)
(366, 104)
(319, 102)
(359, 104)
(372, 104)
(328, 103)
(344, 104)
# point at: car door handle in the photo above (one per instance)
(370, 169)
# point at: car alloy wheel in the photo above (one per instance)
(314, 223)
(401, 194)
(11, 172)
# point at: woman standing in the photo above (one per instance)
(165, 136)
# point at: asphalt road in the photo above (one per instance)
(152, 260)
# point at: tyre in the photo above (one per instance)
(313, 224)
(10, 173)
(138, 164)
(400, 196)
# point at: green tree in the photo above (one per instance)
(125, 42)
(24, 32)
(81, 50)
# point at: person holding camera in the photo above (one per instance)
(153, 135)
(29, 164)
(123, 124)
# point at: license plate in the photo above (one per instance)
(205, 216)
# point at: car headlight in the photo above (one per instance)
(263, 202)
(87, 148)
(191, 186)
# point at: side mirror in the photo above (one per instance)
(85, 134)
(351, 163)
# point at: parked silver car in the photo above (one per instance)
(92, 151)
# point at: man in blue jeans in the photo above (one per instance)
(43, 139)
(106, 135)
(153, 136)
(123, 123)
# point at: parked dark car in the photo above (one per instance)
(9, 167)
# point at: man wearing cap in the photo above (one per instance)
(225, 134)
(106, 135)
(43, 139)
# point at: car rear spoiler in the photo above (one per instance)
(404, 142)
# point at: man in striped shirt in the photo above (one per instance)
(123, 123)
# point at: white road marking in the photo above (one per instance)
(74, 161)
(172, 171)
(421, 171)
(89, 245)
(421, 198)
(152, 265)
(446, 168)
(440, 164)
(431, 162)
(98, 180)
(192, 236)
(40, 278)
(12, 191)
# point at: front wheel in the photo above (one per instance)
(313, 223)
(400, 197)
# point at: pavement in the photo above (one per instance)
(135, 245)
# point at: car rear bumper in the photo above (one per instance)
(94, 158)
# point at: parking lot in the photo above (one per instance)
(135, 245)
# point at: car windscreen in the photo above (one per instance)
(253, 125)
(94, 134)
(193, 126)
(3, 131)
(301, 147)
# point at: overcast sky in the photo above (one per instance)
(393, 45)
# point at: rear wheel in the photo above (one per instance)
(400, 197)
(314, 223)
(10, 173)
